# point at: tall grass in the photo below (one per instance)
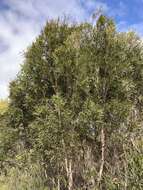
(31, 178)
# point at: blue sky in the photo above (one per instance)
(22, 20)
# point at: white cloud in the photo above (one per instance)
(138, 28)
(93, 5)
(22, 21)
(123, 26)
(3, 90)
(120, 10)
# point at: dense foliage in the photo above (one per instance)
(74, 119)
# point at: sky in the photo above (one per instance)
(22, 20)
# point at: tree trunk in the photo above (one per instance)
(69, 173)
(58, 184)
(102, 155)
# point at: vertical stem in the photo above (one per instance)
(102, 155)
(69, 173)
(58, 184)
(125, 169)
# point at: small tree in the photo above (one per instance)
(77, 97)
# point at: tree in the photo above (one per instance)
(77, 101)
